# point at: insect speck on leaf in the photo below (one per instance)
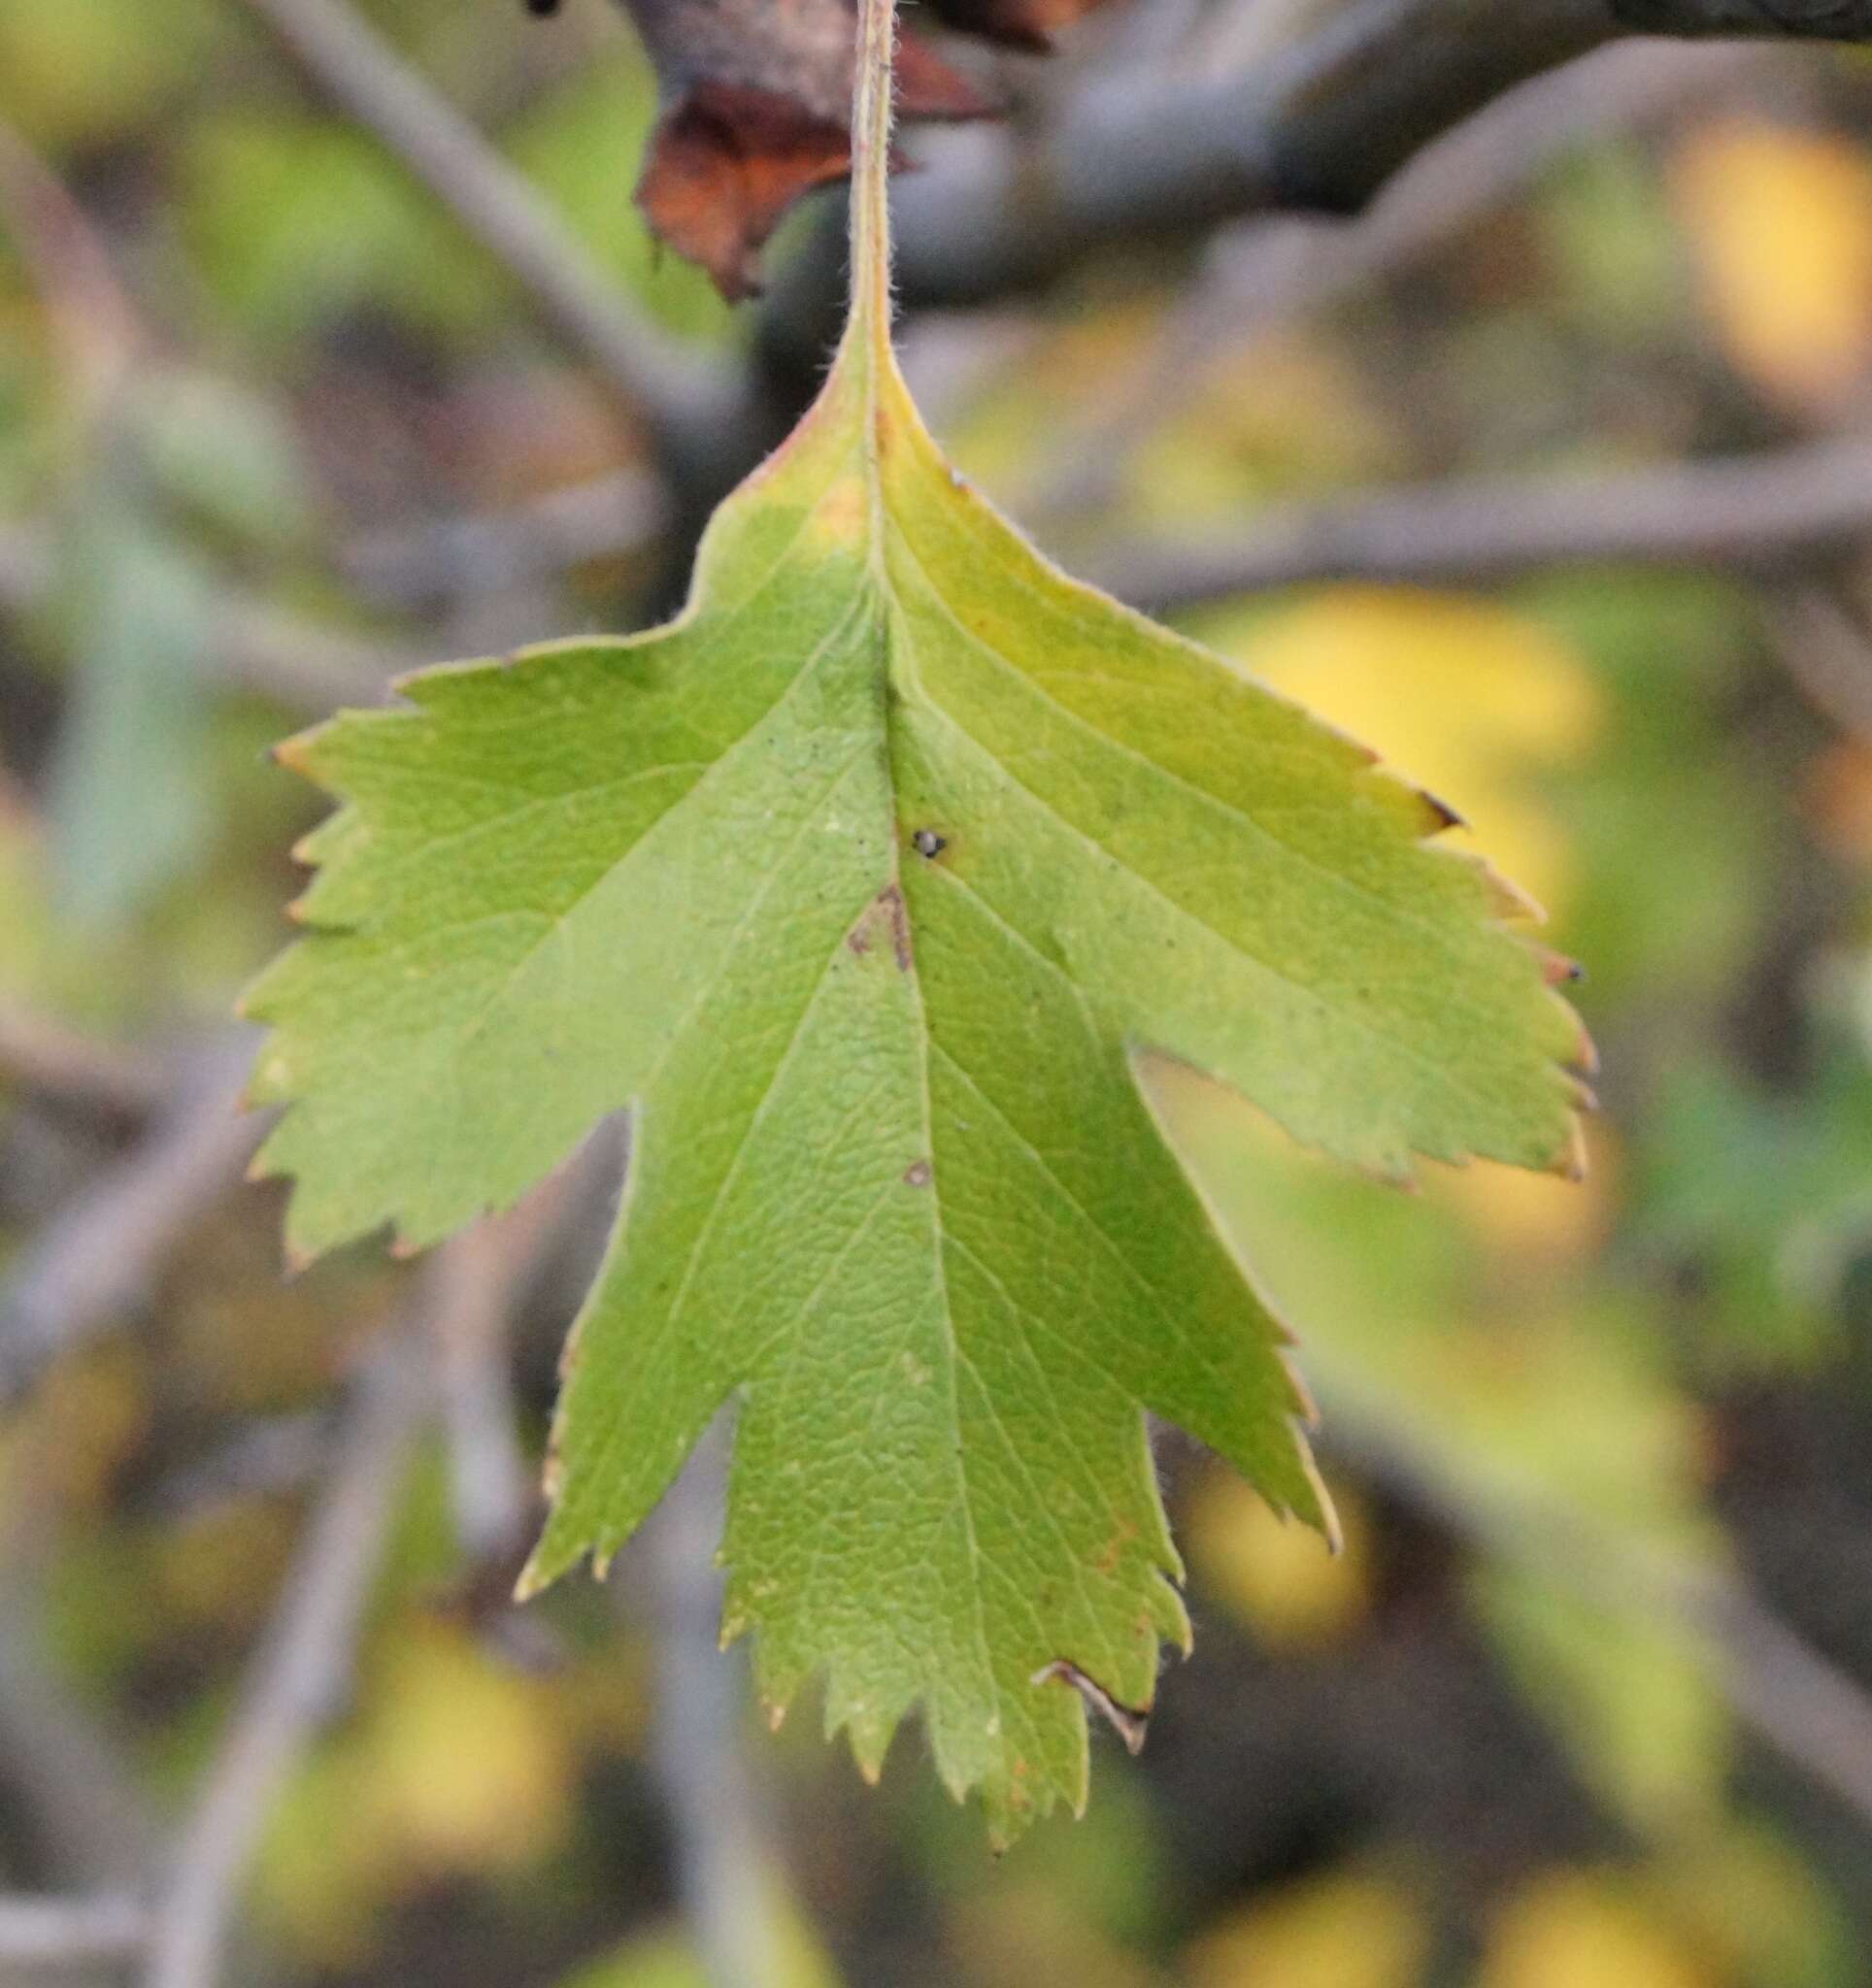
(928, 843)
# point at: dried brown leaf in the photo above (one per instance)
(756, 112)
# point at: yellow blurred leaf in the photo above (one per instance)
(1570, 1929)
(222, 1571)
(457, 1767)
(76, 72)
(1276, 1577)
(324, 1874)
(669, 1961)
(1537, 1220)
(1780, 227)
(1274, 417)
(1346, 1930)
(1472, 699)
(469, 1768)
(1759, 1905)
(1014, 1936)
(60, 1457)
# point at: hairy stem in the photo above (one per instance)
(871, 113)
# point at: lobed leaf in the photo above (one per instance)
(862, 883)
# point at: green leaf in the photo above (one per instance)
(862, 883)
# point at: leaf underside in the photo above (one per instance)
(861, 883)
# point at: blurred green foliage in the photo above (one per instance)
(1479, 1748)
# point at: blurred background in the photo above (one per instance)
(329, 344)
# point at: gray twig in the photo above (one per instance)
(46, 1059)
(488, 551)
(95, 1260)
(680, 395)
(70, 1933)
(473, 1287)
(1810, 1711)
(1317, 124)
(1769, 512)
(251, 646)
(298, 1675)
(1827, 651)
(61, 1768)
(1274, 270)
(721, 1869)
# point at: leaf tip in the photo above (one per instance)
(295, 753)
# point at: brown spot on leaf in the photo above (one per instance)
(884, 912)
(892, 901)
(1109, 1555)
(918, 1173)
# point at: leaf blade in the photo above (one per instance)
(862, 883)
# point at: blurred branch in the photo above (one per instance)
(46, 1059)
(1271, 272)
(721, 1872)
(682, 398)
(301, 666)
(475, 1284)
(1810, 1711)
(299, 1674)
(492, 551)
(86, 1812)
(97, 333)
(254, 646)
(266, 1456)
(1318, 124)
(1322, 125)
(1827, 651)
(1807, 1709)
(1762, 513)
(100, 1256)
(70, 1933)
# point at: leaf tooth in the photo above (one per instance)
(1570, 1162)
(1507, 902)
(295, 753)
(1169, 1619)
(1442, 815)
(868, 1748)
(1585, 1051)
